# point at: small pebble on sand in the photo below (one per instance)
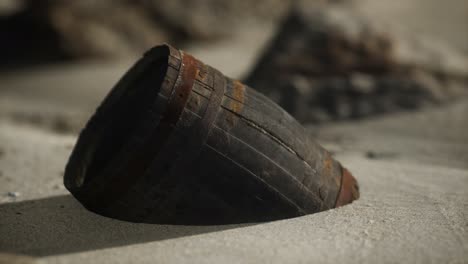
(13, 194)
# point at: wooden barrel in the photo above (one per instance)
(177, 142)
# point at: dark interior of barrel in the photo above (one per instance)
(127, 106)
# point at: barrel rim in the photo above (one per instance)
(83, 154)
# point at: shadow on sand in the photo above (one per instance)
(60, 225)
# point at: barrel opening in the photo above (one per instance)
(115, 126)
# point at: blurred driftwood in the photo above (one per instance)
(53, 29)
(332, 64)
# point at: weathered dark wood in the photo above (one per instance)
(178, 142)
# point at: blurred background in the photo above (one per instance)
(383, 85)
(359, 58)
(48, 31)
(39, 32)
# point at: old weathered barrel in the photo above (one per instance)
(177, 142)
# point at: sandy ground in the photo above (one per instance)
(412, 168)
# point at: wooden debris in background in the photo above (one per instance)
(38, 32)
(333, 64)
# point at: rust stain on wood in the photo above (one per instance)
(237, 104)
(349, 190)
